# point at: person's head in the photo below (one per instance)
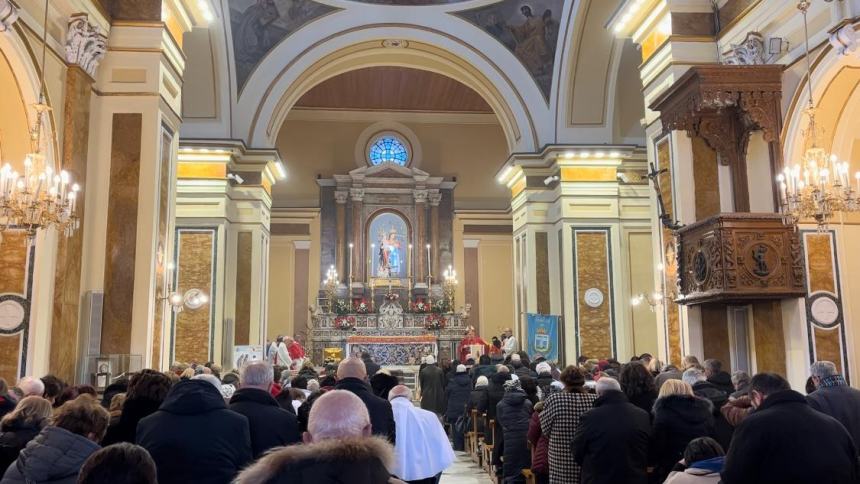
(507, 332)
(53, 387)
(430, 360)
(337, 414)
(691, 361)
(635, 379)
(187, 374)
(400, 391)
(482, 381)
(116, 404)
(764, 385)
(352, 368)
(526, 10)
(300, 382)
(607, 384)
(307, 364)
(231, 378)
(470, 332)
(119, 464)
(702, 448)
(516, 359)
(646, 358)
(502, 369)
(211, 379)
(740, 380)
(809, 386)
(713, 366)
(83, 416)
(573, 379)
(32, 386)
(32, 411)
(257, 374)
(822, 369)
(484, 360)
(581, 360)
(313, 385)
(148, 385)
(366, 356)
(497, 343)
(675, 387)
(72, 392)
(461, 369)
(693, 376)
(328, 381)
(543, 368)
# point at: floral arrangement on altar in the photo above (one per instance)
(419, 307)
(435, 322)
(361, 307)
(344, 323)
(441, 306)
(392, 296)
(342, 307)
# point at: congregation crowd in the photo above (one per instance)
(354, 422)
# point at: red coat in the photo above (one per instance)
(295, 350)
(540, 446)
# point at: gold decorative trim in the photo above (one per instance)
(729, 26)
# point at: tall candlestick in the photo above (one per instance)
(429, 271)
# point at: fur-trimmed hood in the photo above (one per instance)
(683, 408)
(367, 460)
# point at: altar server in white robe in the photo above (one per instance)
(283, 356)
(509, 347)
(424, 450)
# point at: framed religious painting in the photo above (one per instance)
(388, 246)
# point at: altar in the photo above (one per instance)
(387, 241)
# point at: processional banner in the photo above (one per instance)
(542, 331)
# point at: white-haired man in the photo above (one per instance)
(422, 451)
(352, 377)
(611, 440)
(31, 386)
(509, 346)
(338, 448)
(834, 397)
(271, 425)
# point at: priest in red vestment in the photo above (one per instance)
(471, 345)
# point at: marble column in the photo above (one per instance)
(435, 197)
(340, 198)
(421, 236)
(359, 262)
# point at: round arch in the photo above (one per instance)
(419, 48)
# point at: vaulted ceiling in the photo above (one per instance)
(394, 89)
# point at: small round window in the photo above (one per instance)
(388, 148)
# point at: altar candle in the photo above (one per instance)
(350, 263)
(429, 272)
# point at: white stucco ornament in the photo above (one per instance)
(825, 310)
(11, 315)
(594, 297)
(85, 44)
(8, 15)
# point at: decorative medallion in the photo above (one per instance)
(762, 259)
(825, 311)
(700, 267)
(593, 297)
(12, 315)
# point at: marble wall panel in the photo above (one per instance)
(195, 266)
(67, 277)
(715, 334)
(706, 179)
(301, 268)
(244, 252)
(10, 357)
(769, 341)
(828, 346)
(472, 289)
(542, 272)
(825, 315)
(121, 232)
(13, 280)
(672, 313)
(819, 260)
(592, 271)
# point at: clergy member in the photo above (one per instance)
(472, 346)
(296, 352)
(509, 346)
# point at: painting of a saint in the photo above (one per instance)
(259, 25)
(529, 30)
(389, 242)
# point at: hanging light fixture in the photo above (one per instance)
(819, 185)
(42, 197)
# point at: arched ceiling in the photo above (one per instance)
(394, 89)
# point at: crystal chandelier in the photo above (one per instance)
(819, 185)
(41, 197)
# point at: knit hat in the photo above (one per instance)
(227, 391)
(543, 367)
(512, 385)
(430, 360)
(461, 368)
(482, 381)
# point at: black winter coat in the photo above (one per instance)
(124, 429)
(678, 419)
(55, 456)
(544, 382)
(371, 366)
(723, 430)
(457, 395)
(611, 441)
(645, 401)
(482, 370)
(13, 438)
(270, 425)
(193, 437)
(381, 416)
(6, 405)
(495, 392)
(478, 400)
(723, 381)
(514, 413)
(841, 403)
(523, 371)
(785, 440)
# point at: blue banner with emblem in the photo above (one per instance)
(542, 331)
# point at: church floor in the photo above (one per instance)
(464, 471)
